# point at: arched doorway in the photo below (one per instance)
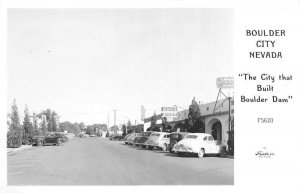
(215, 126)
(216, 131)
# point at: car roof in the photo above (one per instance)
(161, 132)
(200, 134)
(180, 133)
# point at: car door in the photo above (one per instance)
(212, 145)
(49, 138)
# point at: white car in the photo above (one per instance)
(158, 140)
(199, 143)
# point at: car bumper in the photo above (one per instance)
(183, 150)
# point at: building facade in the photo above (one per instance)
(216, 118)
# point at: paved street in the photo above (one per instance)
(98, 161)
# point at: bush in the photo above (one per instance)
(13, 141)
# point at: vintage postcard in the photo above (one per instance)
(154, 96)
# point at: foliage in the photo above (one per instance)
(27, 128)
(70, 127)
(166, 127)
(15, 134)
(36, 130)
(124, 133)
(154, 126)
(95, 128)
(230, 141)
(193, 122)
(50, 120)
(43, 127)
(153, 120)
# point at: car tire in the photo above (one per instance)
(143, 146)
(126, 143)
(165, 147)
(223, 152)
(201, 153)
(150, 148)
(59, 142)
(40, 143)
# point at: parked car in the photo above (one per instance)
(200, 144)
(175, 137)
(137, 139)
(131, 138)
(158, 140)
(143, 138)
(116, 137)
(49, 139)
(61, 135)
(82, 135)
(128, 136)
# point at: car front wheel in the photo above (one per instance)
(164, 148)
(59, 142)
(201, 153)
(223, 152)
(39, 143)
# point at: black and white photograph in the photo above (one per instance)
(144, 96)
(104, 97)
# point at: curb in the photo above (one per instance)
(229, 156)
(23, 147)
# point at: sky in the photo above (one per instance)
(85, 63)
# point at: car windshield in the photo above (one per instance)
(155, 135)
(146, 134)
(58, 135)
(174, 136)
(191, 137)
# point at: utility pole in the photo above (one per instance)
(107, 120)
(115, 117)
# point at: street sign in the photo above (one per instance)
(225, 82)
(169, 112)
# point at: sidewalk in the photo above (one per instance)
(23, 147)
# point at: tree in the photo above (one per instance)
(50, 119)
(130, 127)
(153, 121)
(43, 127)
(14, 138)
(139, 128)
(27, 128)
(36, 129)
(166, 127)
(154, 126)
(70, 127)
(124, 133)
(193, 122)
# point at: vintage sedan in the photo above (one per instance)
(200, 144)
(175, 137)
(49, 139)
(137, 139)
(143, 138)
(159, 140)
(128, 139)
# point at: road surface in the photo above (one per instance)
(98, 161)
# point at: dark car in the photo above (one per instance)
(116, 137)
(49, 139)
(137, 139)
(143, 138)
(175, 138)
